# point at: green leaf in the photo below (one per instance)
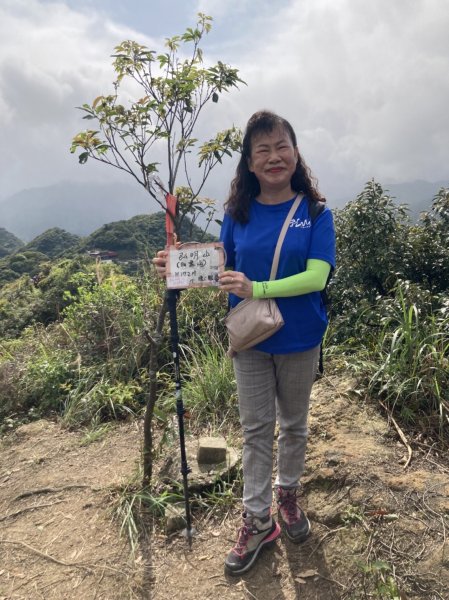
(96, 101)
(215, 97)
(83, 158)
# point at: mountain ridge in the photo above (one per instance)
(78, 208)
(81, 208)
(417, 194)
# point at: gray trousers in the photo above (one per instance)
(273, 386)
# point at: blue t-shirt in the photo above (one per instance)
(250, 249)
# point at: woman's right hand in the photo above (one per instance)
(160, 263)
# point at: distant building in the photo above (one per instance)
(103, 255)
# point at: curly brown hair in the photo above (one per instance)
(245, 186)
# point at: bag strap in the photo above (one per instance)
(277, 252)
(315, 209)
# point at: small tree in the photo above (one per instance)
(428, 256)
(371, 235)
(370, 239)
(173, 91)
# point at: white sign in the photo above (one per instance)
(194, 265)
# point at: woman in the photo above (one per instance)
(274, 379)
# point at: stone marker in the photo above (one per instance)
(212, 450)
(202, 475)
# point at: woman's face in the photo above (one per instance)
(273, 160)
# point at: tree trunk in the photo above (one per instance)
(155, 343)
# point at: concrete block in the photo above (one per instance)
(212, 450)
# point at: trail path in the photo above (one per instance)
(58, 539)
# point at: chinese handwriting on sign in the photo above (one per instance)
(194, 265)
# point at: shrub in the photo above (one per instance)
(97, 400)
(26, 301)
(389, 318)
(35, 372)
(106, 322)
(210, 388)
(412, 360)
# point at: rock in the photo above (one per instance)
(174, 518)
(333, 459)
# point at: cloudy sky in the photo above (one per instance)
(365, 84)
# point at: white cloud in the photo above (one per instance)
(52, 59)
(374, 75)
(364, 84)
(220, 8)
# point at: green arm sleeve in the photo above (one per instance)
(313, 279)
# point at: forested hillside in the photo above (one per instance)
(8, 242)
(131, 241)
(139, 237)
(53, 242)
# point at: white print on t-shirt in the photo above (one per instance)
(303, 224)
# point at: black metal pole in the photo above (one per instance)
(171, 298)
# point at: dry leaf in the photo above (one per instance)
(299, 580)
(308, 573)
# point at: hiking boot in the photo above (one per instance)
(296, 524)
(252, 537)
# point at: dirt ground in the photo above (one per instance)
(379, 524)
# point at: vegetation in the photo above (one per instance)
(175, 90)
(390, 303)
(132, 241)
(77, 341)
(39, 299)
(41, 288)
(31, 258)
(139, 237)
(92, 364)
(9, 243)
(54, 242)
(21, 263)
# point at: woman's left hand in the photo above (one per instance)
(236, 283)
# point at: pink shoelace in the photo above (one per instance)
(242, 541)
(288, 503)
